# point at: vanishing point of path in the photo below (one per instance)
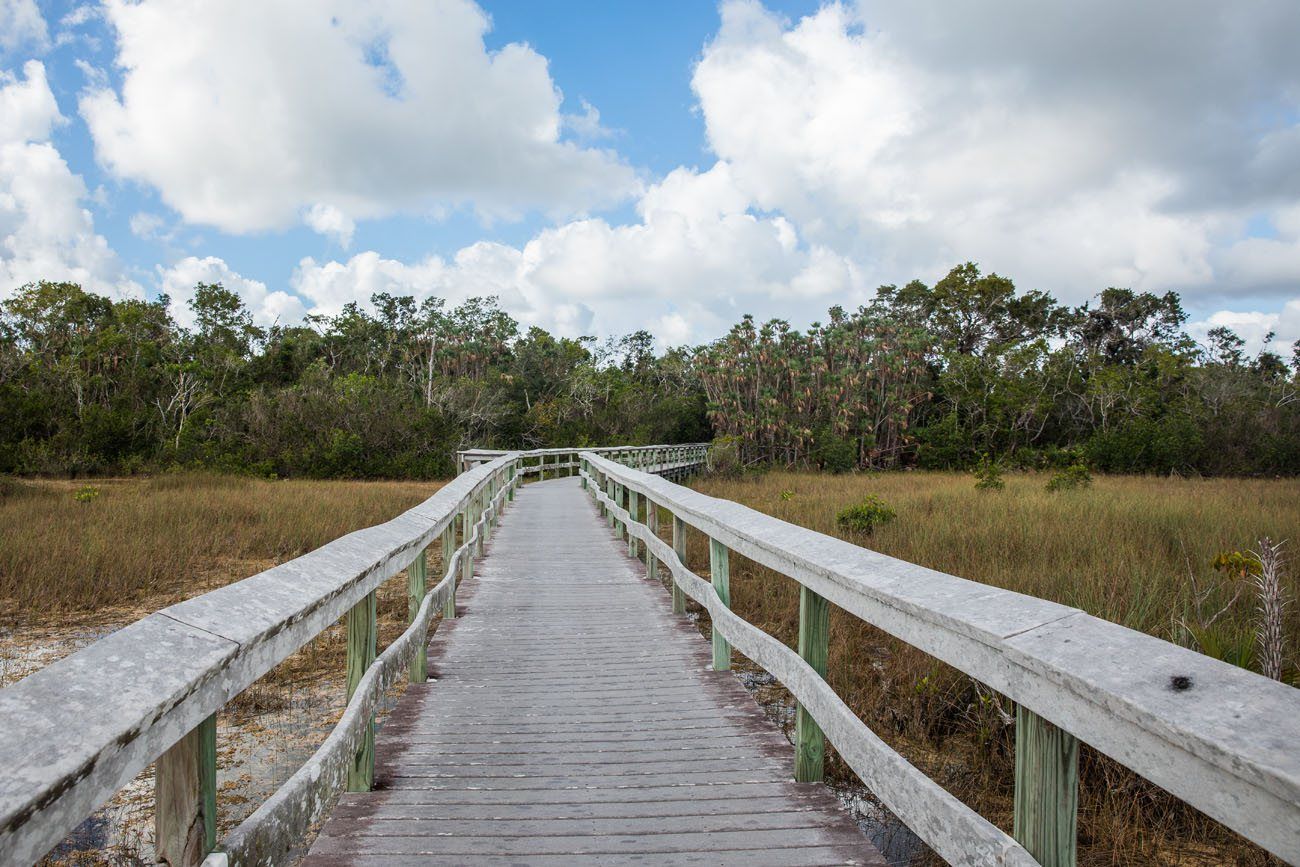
(571, 719)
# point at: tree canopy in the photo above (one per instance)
(968, 369)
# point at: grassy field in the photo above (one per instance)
(72, 549)
(74, 565)
(1134, 550)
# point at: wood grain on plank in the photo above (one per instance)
(571, 718)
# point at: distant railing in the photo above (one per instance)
(78, 730)
(668, 459)
(1223, 739)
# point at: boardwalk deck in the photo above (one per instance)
(570, 718)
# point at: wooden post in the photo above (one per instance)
(417, 575)
(448, 551)
(632, 498)
(814, 647)
(510, 485)
(679, 547)
(652, 524)
(1047, 789)
(720, 571)
(361, 655)
(541, 473)
(185, 798)
(609, 492)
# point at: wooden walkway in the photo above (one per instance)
(571, 719)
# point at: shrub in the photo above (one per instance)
(86, 494)
(865, 516)
(787, 496)
(1073, 476)
(724, 457)
(988, 475)
(834, 453)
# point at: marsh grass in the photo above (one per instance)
(72, 569)
(147, 543)
(1125, 548)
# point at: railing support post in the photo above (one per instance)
(448, 551)
(679, 548)
(361, 655)
(652, 524)
(632, 500)
(1047, 789)
(720, 571)
(814, 647)
(510, 485)
(185, 798)
(417, 575)
(541, 472)
(609, 492)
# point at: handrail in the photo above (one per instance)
(692, 454)
(1221, 738)
(81, 728)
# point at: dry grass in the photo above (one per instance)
(147, 543)
(1122, 549)
(72, 570)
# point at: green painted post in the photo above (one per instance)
(679, 548)
(361, 655)
(719, 570)
(632, 501)
(582, 467)
(510, 485)
(652, 524)
(448, 551)
(185, 797)
(1047, 789)
(814, 647)
(609, 492)
(417, 575)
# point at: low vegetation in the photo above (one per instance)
(1140, 551)
(68, 549)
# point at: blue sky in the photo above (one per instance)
(770, 158)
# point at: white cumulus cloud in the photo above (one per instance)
(45, 232)
(243, 114)
(268, 307)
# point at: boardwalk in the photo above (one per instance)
(571, 719)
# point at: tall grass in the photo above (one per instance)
(147, 543)
(1134, 550)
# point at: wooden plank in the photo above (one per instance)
(1047, 789)
(814, 647)
(720, 572)
(518, 746)
(185, 798)
(362, 636)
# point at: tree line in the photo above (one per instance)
(968, 369)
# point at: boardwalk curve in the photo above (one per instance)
(570, 718)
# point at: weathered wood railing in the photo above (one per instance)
(77, 731)
(1221, 738)
(668, 460)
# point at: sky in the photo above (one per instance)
(606, 167)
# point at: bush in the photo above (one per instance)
(86, 494)
(834, 453)
(988, 475)
(865, 516)
(724, 457)
(1073, 476)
